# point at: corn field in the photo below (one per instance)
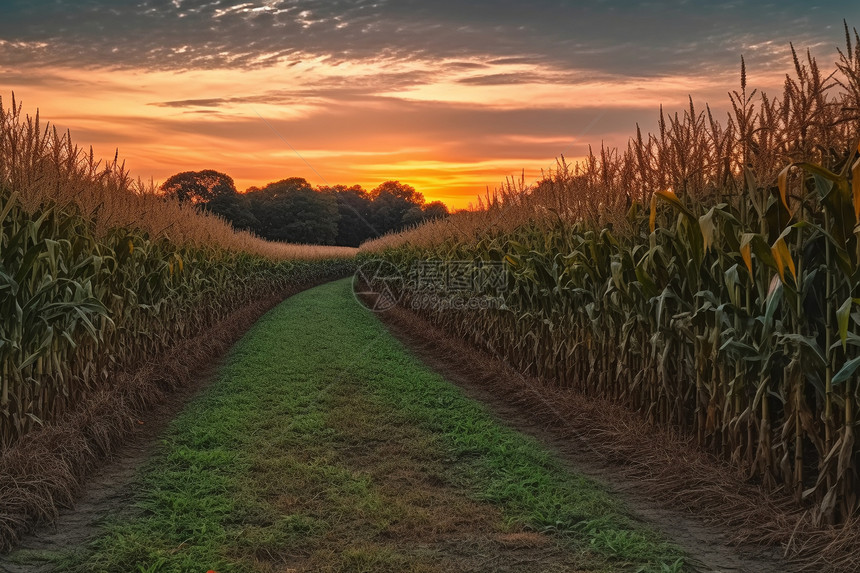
(706, 276)
(98, 274)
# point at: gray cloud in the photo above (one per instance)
(624, 37)
(210, 102)
(503, 79)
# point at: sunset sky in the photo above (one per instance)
(450, 97)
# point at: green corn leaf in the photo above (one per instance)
(846, 372)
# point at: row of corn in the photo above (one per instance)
(709, 277)
(82, 298)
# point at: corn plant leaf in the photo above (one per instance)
(774, 297)
(617, 274)
(839, 204)
(843, 313)
(760, 248)
(661, 302)
(649, 287)
(732, 284)
(851, 340)
(652, 216)
(846, 372)
(823, 185)
(8, 207)
(746, 250)
(808, 343)
(782, 257)
(7, 282)
(817, 170)
(780, 267)
(26, 265)
(721, 210)
(855, 187)
(757, 199)
(782, 182)
(708, 228)
(738, 349)
(670, 196)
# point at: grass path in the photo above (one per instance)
(323, 446)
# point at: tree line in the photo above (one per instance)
(292, 210)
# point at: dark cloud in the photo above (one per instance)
(210, 102)
(624, 37)
(503, 79)
(465, 65)
(515, 60)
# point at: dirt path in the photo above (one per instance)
(511, 398)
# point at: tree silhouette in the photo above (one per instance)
(356, 217)
(435, 210)
(291, 210)
(199, 187)
(212, 191)
(394, 206)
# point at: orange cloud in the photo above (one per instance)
(448, 127)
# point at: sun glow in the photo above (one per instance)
(450, 128)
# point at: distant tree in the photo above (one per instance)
(392, 201)
(355, 209)
(435, 210)
(402, 191)
(235, 208)
(413, 216)
(291, 210)
(212, 191)
(427, 212)
(199, 187)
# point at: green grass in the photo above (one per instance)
(322, 445)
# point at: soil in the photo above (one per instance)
(427, 520)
